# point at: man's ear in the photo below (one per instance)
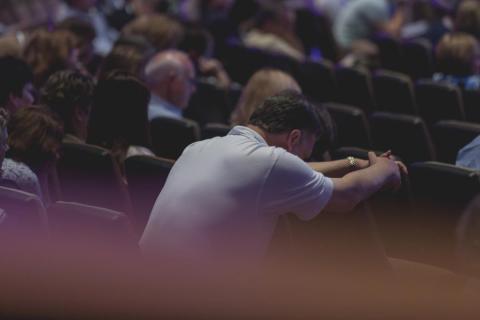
(293, 139)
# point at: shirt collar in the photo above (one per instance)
(248, 133)
(156, 100)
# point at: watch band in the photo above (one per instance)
(352, 162)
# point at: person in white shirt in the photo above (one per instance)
(170, 76)
(222, 199)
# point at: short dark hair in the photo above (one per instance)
(66, 90)
(286, 111)
(14, 75)
(35, 135)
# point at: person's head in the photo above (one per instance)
(467, 18)
(290, 121)
(35, 137)
(49, 52)
(126, 58)
(119, 115)
(161, 31)
(457, 54)
(263, 84)
(69, 95)
(170, 75)
(16, 88)
(3, 135)
(85, 33)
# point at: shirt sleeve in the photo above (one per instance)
(293, 187)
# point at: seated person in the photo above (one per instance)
(34, 141)
(223, 196)
(119, 119)
(456, 57)
(274, 31)
(69, 95)
(170, 77)
(16, 84)
(263, 84)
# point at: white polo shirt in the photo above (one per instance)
(224, 195)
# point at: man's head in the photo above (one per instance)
(16, 88)
(289, 121)
(170, 75)
(69, 95)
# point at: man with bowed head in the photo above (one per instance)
(222, 199)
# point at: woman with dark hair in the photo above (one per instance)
(34, 141)
(119, 118)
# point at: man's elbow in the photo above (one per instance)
(344, 203)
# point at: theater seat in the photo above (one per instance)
(171, 136)
(394, 92)
(23, 213)
(355, 88)
(418, 58)
(439, 101)
(352, 125)
(89, 224)
(89, 175)
(146, 177)
(440, 193)
(211, 130)
(317, 80)
(407, 136)
(451, 135)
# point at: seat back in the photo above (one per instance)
(88, 174)
(89, 224)
(450, 136)
(439, 101)
(211, 130)
(25, 213)
(390, 52)
(171, 136)
(317, 80)
(355, 88)
(407, 136)
(352, 125)
(209, 103)
(394, 92)
(146, 177)
(471, 104)
(418, 58)
(440, 193)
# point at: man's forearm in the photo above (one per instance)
(338, 168)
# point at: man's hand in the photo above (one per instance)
(401, 165)
(389, 168)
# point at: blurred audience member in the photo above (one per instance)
(274, 30)
(161, 31)
(69, 95)
(361, 19)
(85, 34)
(86, 10)
(198, 43)
(467, 18)
(119, 119)
(457, 57)
(49, 52)
(170, 76)
(34, 141)
(130, 53)
(16, 88)
(428, 20)
(10, 46)
(263, 84)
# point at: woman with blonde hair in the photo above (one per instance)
(263, 84)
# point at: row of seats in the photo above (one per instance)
(426, 209)
(407, 135)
